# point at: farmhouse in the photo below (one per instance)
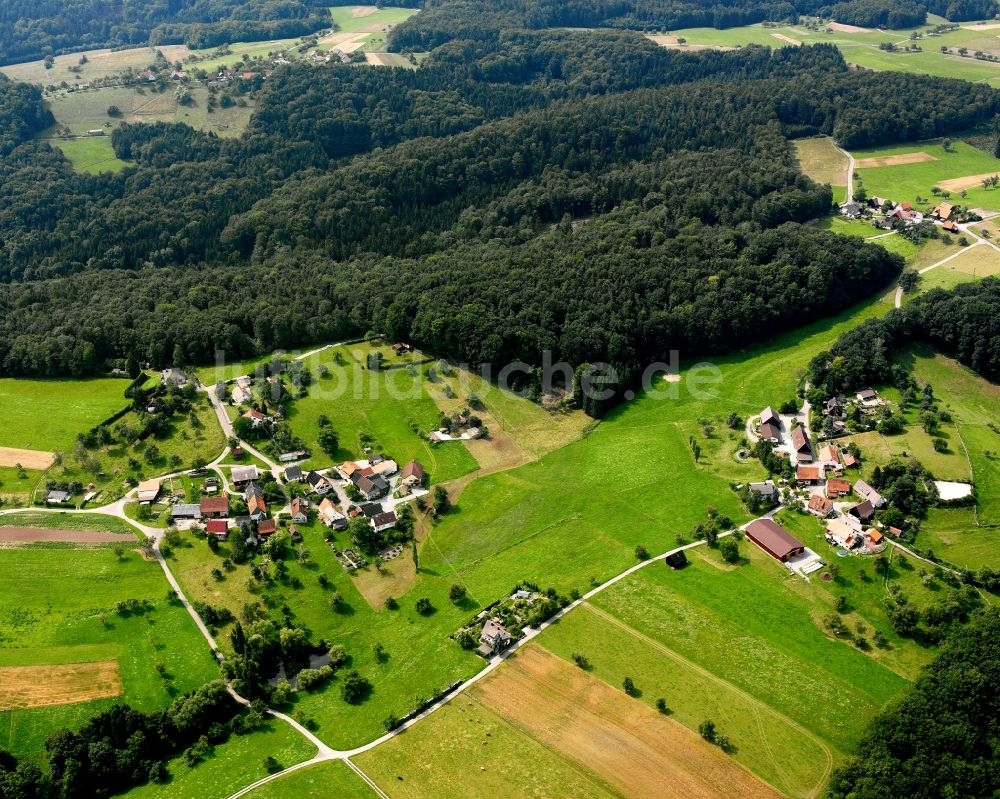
(215, 507)
(266, 527)
(300, 510)
(942, 211)
(770, 432)
(330, 516)
(768, 416)
(800, 444)
(868, 397)
(837, 488)
(257, 507)
(413, 474)
(840, 533)
(58, 497)
(829, 456)
(293, 474)
(765, 489)
(384, 521)
(863, 510)
(217, 527)
(774, 539)
(172, 377)
(385, 467)
(494, 638)
(676, 560)
(808, 475)
(149, 490)
(256, 417)
(862, 489)
(851, 210)
(318, 482)
(241, 475)
(951, 227)
(820, 505)
(185, 511)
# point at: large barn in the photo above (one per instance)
(774, 539)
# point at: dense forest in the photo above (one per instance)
(963, 323)
(940, 739)
(33, 29)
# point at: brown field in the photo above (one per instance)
(968, 182)
(839, 26)
(991, 26)
(625, 743)
(893, 160)
(378, 59)
(787, 39)
(153, 104)
(44, 686)
(363, 11)
(34, 535)
(980, 261)
(28, 458)
(820, 159)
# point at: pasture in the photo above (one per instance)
(99, 64)
(90, 154)
(232, 765)
(47, 414)
(322, 781)
(861, 46)
(908, 182)
(57, 609)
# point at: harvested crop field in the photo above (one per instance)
(893, 160)
(45, 686)
(607, 732)
(787, 39)
(28, 458)
(968, 182)
(35, 535)
(839, 26)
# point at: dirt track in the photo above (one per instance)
(627, 744)
(30, 535)
(44, 686)
(28, 458)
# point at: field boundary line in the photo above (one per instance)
(370, 782)
(703, 672)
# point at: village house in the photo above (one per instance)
(770, 432)
(840, 533)
(294, 533)
(862, 489)
(267, 527)
(185, 511)
(820, 506)
(868, 398)
(370, 487)
(801, 446)
(300, 510)
(862, 511)
(371, 509)
(217, 527)
(331, 516)
(942, 211)
(765, 489)
(829, 457)
(318, 482)
(951, 227)
(774, 539)
(173, 377)
(808, 475)
(214, 507)
(384, 521)
(836, 488)
(413, 474)
(385, 468)
(851, 462)
(256, 417)
(494, 638)
(149, 490)
(347, 469)
(835, 407)
(851, 210)
(241, 475)
(293, 474)
(256, 507)
(768, 416)
(241, 394)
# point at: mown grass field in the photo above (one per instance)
(232, 765)
(906, 182)
(47, 414)
(322, 781)
(820, 159)
(862, 48)
(57, 607)
(93, 154)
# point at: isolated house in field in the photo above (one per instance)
(241, 475)
(862, 489)
(413, 474)
(300, 510)
(800, 445)
(808, 475)
(256, 507)
(494, 638)
(384, 521)
(267, 527)
(774, 539)
(837, 488)
(214, 507)
(58, 497)
(293, 474)
(149, 490)
(217, 527)
(318, 482)
(820, 506)
(676, 560)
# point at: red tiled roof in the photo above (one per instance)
(214, 505)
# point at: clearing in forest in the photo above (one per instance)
(608, 732)
(45, 686)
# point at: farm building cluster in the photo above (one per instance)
(888, 215)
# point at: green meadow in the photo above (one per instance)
(47, 414)
(232, 765)
(322, 781)
(351, 19)
(907, 182)
(57, 607)
(90, 154)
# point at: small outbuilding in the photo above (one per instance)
(676, 560)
